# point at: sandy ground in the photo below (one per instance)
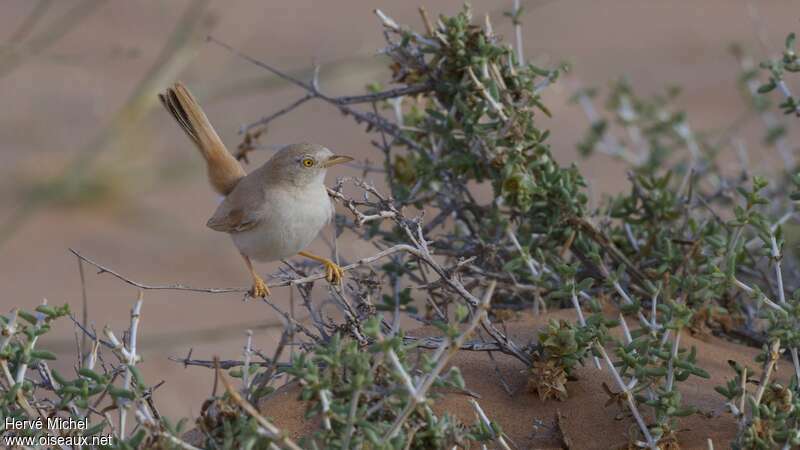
(587, 420)
(58, 98)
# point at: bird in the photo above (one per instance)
(275, 211)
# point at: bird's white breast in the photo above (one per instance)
(292, 218)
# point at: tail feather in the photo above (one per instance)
(224, 171)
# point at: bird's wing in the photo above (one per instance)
(240, 211)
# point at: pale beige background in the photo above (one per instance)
(59, 98)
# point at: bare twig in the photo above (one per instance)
(518, 33)
(131, 362)
(248, 351)
(769, 365)
(626, 391)
(293, 282)
(268, 427)
(488, 424)
(84, 301)
(376, 121)
(442, 357)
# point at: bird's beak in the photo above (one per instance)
(337, 159)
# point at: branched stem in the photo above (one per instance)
(268, 427)
(442, 356)
(131, 362)
(626, 392)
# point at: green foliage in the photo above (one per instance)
(688, 241)
(478, 123)
(777, 69)
(358, 393)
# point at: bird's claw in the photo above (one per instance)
(260, 289)
(333, 272)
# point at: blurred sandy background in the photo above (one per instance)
(69, 68)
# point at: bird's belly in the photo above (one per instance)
(281, 236)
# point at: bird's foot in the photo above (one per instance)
(333, 272)
(260, 288)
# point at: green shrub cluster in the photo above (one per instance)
(691, 247)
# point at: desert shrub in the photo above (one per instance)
(692, 247)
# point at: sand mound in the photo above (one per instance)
(585, 420)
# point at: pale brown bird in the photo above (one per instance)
(275, 211)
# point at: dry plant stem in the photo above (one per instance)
(392, 25)
(488, 424)
(265, 378)
(116, 346)
(391, 94)
(426, 20)
(626, 391)
(177, 441)
(303, 280)
(535, 273)
(8, 331)
(84, 301)
(285, 110)
(145, 417)
(787, 93)
(603, 241)
(685, 132)
(442, 356)
(132, 337)
(769, 365)
(174, 287)
(673, 356)
(23, 367)
(769, 120)
(351, 418)
(375, 121)
(610, 145)
(631, 238)
(225, 364)
(485, 92)
(518, 34)
(268, 427)
(743, 399)
(450, 279)
(506, 345)
(401, 371)
(625, 330)
(750, 245)
(431, 343)
(776, 256)
(248, 351)
(628, 116)
(622, 293)
(581, 320)
(326, 408)
(762, 297)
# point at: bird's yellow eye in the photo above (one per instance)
(308, 162)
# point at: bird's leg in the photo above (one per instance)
(333, 273)
(260, 288)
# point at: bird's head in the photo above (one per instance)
(303, 164)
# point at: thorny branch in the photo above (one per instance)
(383, 209)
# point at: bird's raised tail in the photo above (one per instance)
(224, 171)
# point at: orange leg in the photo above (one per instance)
(260, 288)
(333, 273)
